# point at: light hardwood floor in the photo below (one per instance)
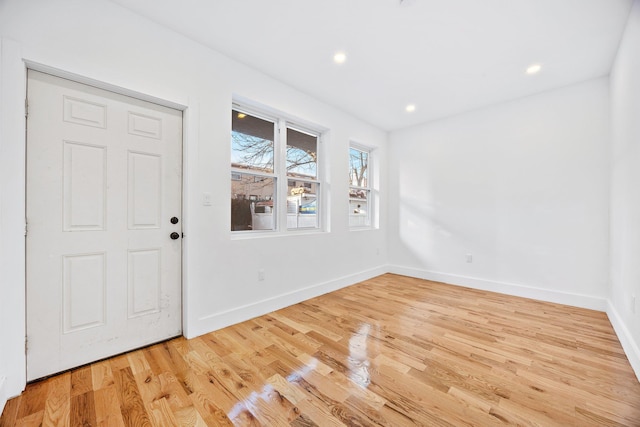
(391, 351)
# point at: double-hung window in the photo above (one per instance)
(303, 186)
(360, 204)
(275, 182)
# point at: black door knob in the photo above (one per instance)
(174, 220)
(174, 235)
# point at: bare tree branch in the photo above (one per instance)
(358, 163)
(256, 153)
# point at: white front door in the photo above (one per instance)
(104, 196)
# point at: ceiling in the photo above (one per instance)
(443, 56)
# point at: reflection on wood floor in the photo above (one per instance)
(391, 351)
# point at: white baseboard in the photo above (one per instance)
(629, 345)
(3, 394)
(573, 299)
(235, 315)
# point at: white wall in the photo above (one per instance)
(99, 40)
(625, 195)
(522, 186)
(12, 308)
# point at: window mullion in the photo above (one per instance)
(281, 173)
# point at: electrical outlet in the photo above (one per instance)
(633, 303)
(261, 274)
(469, 258)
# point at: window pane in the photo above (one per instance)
(358, 168)
(302, 158)
(302, 204)
(251, 142)
(358, 207)
(252, 205)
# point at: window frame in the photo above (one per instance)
(254, 173)
(311, 181)
(282, 122)
(368, 188)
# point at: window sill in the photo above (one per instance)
(362, 228)
(249, 235)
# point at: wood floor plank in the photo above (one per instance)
(107, 407)
(10, 412)
(58, 404)
(119, 362)
(33, 399)
(101, 375)
(210, 394)
(303, 421)
(32, 420)
(131, 404)
(83, 411)
(391, 351)
(172, 391)
(137, 362)
(189, 417)
(161, 414)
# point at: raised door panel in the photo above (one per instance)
(144, 282)
(147, 126)
(145, 190)
(84, 287)
(84, 112)
(85, 187)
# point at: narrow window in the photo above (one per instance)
(302, 177)
(359, 187)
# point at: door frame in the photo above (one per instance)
(13, 80)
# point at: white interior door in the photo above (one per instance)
(104, 180)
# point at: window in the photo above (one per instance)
(359, 187)
(253, 182)
(302, 183)
(274, 174)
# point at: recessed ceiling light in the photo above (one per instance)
(339, 57)
(241, 115)
(534, 68)
(410, 108)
